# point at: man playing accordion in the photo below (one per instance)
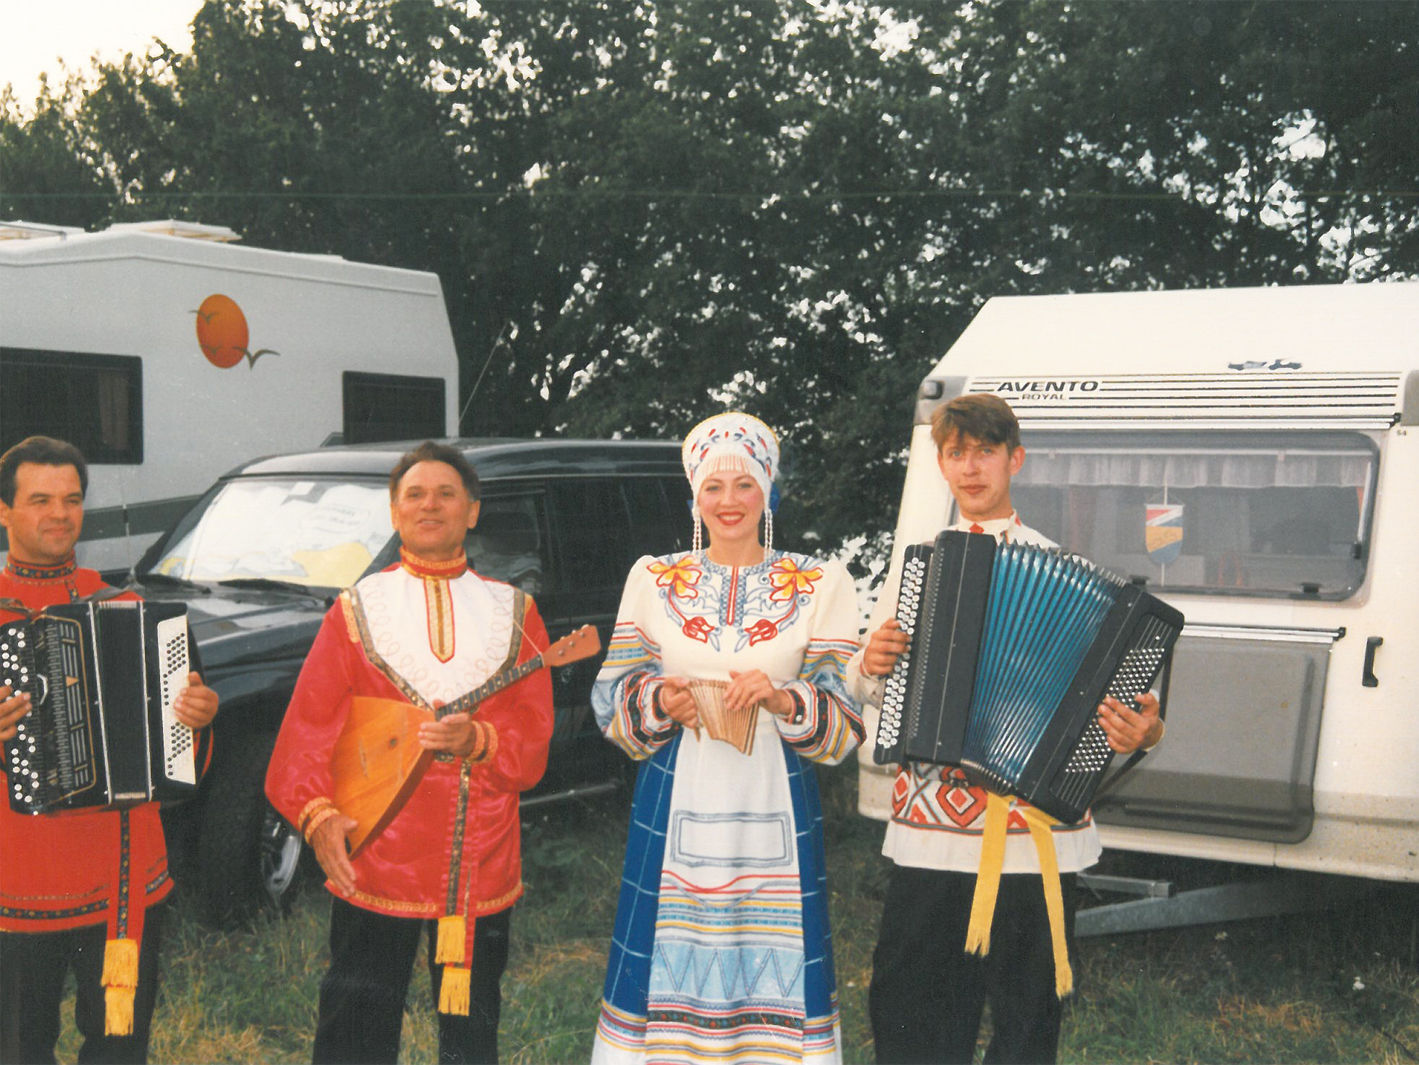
(79, 889)
(927, 992)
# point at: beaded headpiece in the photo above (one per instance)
(732, 441)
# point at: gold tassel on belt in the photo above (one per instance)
(120, 984)
(992, 862)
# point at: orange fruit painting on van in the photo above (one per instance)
(223, 335)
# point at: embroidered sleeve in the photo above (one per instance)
(827, 726)
(626, 696)
(298, 779)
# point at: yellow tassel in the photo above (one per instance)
(1040, 823)
(992, 861)
(118, 1010)
(120, 963)
(120, 979)
(454, 990)
(452, 932)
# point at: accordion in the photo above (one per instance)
(1013, 647)
(102, 679)
(735, 727)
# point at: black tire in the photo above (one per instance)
(248, 858)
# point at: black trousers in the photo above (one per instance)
(33, 966)
(927, 994)
(371, 964)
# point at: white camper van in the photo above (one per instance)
(169, 354)
(1253, 456)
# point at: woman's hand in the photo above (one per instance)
(753, 686)
(677, 703)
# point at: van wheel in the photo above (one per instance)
(248, 858)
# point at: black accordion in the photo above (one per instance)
(1013, 647)
(102, 679)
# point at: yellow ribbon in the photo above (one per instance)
(992, 863)
(1040, 825)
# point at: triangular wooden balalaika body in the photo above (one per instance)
(377, 761)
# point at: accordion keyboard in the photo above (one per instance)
(178, 761)
(894, 692)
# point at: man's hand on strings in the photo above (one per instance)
(454, 734)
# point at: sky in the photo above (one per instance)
(34, 32)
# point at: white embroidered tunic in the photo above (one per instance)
(721, 950)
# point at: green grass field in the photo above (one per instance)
(1333, 986)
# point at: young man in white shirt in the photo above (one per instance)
(927, 992)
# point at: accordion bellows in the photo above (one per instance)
(1012, 648)
(734, 727)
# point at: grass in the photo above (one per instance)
(1336, 986)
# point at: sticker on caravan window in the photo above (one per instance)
(223, 335)
(1163, 532)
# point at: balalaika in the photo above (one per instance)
(102, 679)
(1013, 647)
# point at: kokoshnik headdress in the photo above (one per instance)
(737, 442)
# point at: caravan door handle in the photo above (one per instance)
(1368, 678)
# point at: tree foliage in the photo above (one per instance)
(644, 211)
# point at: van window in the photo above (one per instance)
(659, 512)
(1268, 514)
(509, 542)
(93, 401)
(321, 533)
(603, 525)
(386, 406)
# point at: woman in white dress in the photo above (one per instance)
(721, 950)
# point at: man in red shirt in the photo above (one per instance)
(75, 886)
(449, 864)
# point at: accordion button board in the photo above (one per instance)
(1012, 648)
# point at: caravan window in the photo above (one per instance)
(388, 406)
(1266, 514)
(93, 401)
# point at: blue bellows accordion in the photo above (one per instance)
(1013, 647)
(102, 679)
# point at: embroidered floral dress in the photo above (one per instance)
(721, 950)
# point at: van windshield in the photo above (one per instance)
(320, 533)
(1267, 514)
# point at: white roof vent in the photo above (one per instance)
(173, 228)
(18, 230)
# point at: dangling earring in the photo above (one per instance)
(768, 532)
(697, 542)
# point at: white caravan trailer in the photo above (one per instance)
(169, 354)
(1253, 455)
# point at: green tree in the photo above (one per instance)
(644, 210)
